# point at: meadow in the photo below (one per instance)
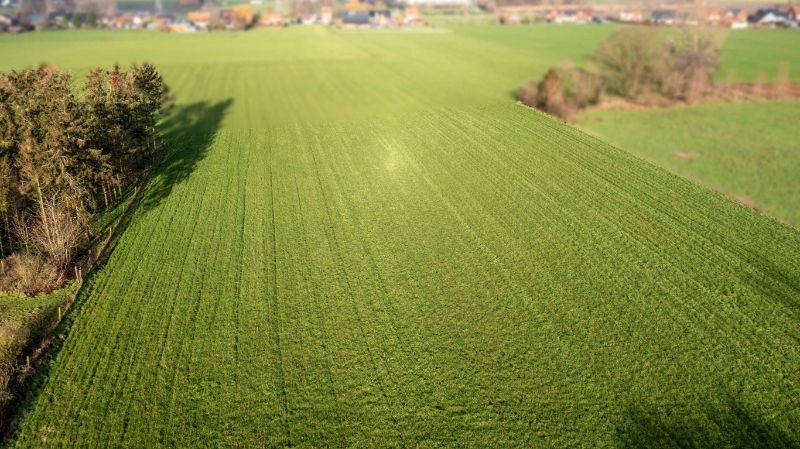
(748, 53)
(749, 151)
(360, 239)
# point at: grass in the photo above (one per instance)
(33, 312)
(749, 151)
(358, 239)
(748, 53)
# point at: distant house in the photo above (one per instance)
(6, 20)
(769, 17)
(794, 13)
(734, 18)
(713, 17)
(569, 16)
(200, 19)
(181, 26)
(355, 18)
(631, 16)
(663, 17)
(439, 2)
(325, 15)
(137, 22)
(308, 19)
(380, 16)
(411, 15)
(271, 19)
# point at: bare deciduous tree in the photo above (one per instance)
(631, 61)
(54, 229)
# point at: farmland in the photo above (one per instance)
(359, 239)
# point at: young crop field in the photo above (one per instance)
(358, 239)
(749, 151)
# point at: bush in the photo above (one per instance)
(645, 62)
(563, 91)
(694, 57)
(29, 274)
(632, 61)
(13, 338)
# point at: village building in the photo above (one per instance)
(631, 16)
(735, 18)
(307, 19)
(794, 13)
(355, 18)
(271, 19)
(712, 17)
(769, 18)
(325, 15)
(200, 19)
(411, 15)
(663, 17)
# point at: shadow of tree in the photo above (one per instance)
(774, 281)
(721, 424)
(188, 133)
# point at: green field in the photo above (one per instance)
(749, 151)
(750, 52)
(358, 239)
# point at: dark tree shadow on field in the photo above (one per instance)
(188, 133)
(725, 424)
(774, 281)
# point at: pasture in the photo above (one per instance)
(749, 151)
(359, 239)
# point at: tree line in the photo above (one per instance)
(645, 65)
(65, 153)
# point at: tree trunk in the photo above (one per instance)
(41, 210)
(3, 232)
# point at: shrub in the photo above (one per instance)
(632, 61)
(13, 338)
(29, 274)
(645, 62)
(563, 91)
(694, 57)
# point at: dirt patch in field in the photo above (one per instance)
(749, 202)
(687, 155)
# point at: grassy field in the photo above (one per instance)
(749, 151)
(750, 52)
(358, 239)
